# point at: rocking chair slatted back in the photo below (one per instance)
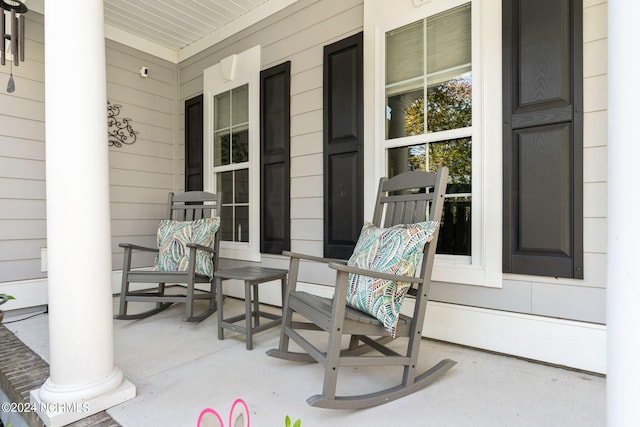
(191, 205)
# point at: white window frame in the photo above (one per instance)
(232, 72)
(484, 267)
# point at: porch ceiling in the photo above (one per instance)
(175, 30)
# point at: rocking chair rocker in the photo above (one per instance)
(407, 206)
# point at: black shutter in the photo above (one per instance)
(343, 146)
(193, 144)
(542, 71)
(275, 108)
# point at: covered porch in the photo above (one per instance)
(181, 368)
(178, 369)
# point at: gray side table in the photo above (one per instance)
(252, 277)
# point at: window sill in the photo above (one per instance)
(245, 253)
(465, 273)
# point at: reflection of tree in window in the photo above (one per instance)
(448, 107)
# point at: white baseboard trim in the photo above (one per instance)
(27, 293)
(33, 293)
(567, 343)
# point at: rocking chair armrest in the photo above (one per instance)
(376, 274)
(201, 247)
(137, 247)
(313, 258)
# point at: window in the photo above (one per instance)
(433, 69)
(231, 161)
(430, 60)
(232, 93)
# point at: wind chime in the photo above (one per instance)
(15, 10)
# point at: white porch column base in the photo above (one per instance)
(60, 414)
(53, 393)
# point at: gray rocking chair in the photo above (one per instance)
(408, 198)
(188, 206)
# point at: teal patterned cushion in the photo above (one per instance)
(173, 237)
(395, 250)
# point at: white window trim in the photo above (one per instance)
(232, 72)
(484, 267)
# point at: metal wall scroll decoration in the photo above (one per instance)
(120, 130)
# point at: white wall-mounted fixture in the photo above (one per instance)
(144, 71)
(418, 3)
(228, 67)
(44, 260)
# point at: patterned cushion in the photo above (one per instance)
(395, 250)
(173, 237)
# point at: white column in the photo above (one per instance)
(623, 279)
(83, 377)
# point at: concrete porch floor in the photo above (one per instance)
(181, 368)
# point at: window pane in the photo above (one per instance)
(226, 225)
(405, 50)
(241, 192)
(405, 115)
(456, 155)
(235, 211)
(240, 145)
(221, 148)
(449, 104)
(455, 232)
(455, 227)
(242, 224)
(448, 42)
(221, 108)
(240, 104)
(225, 185)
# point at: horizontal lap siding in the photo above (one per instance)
(22, 167)
(143, 173)
(297, 34)
(592, 298)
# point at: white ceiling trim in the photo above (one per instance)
(136, 42)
